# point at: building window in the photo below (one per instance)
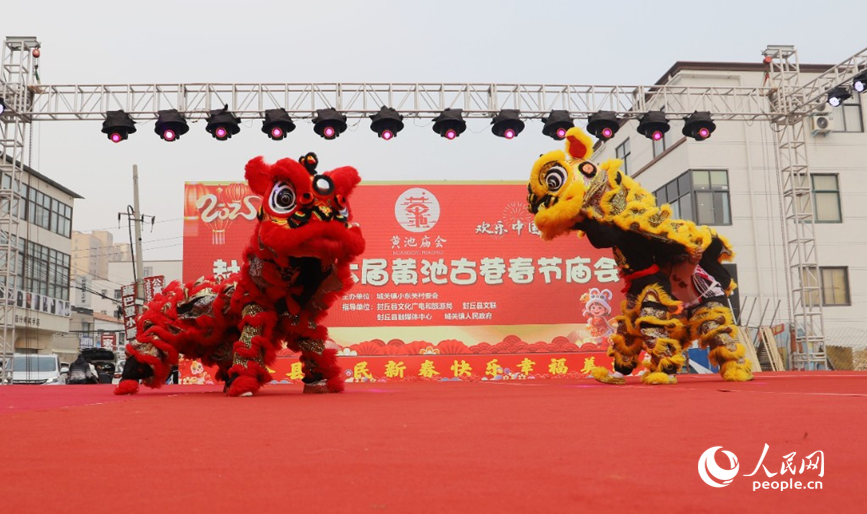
(622, 152)
(835, 286)
(826, 198)
(40, 270)
(701, 196)
(117, 294)
(847, 116)
(40, 209)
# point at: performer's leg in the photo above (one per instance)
(322, 374)
(661, 331)
(711, 323)
(248, 372)
(149, 358)
(626, 345)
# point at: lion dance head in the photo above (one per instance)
(305, 213)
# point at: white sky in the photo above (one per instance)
(539, 41)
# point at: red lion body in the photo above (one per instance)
(295, 267)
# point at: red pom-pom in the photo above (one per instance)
(126, 387)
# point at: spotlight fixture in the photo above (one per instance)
(698, 125)
(222, 124)
(859, 83)
(507, 123)
(556, 124)
(277, 124)
(2, 105)
(450, 123)
(603, 124)
(653, 125)
(387, 123)
(171, 125)
(117, 126)
(837, 96)
(329, 123)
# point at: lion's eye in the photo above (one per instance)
(555, 177)
(282, 200)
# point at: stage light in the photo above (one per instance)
(450, 123)
(603, 124)
(117, 126)
(698, 126)
(859, 83)
(653, 125)
(171, 125)
(507, 123)
(222, 124)
(2, 106)
(277, 124)
(556, 124)
(329, 123)
(386, 123)
(837, 96)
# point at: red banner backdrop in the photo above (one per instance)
(449, 267)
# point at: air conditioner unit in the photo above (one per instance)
(820, 124)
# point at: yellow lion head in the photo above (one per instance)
(558, 182)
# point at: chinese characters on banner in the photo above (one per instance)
(152, 287)
(127, 305)
(438, 254)
(451, 268)
(108, 341)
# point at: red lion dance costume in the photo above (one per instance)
(295, 267)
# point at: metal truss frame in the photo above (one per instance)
(16, 66)
(358, 100)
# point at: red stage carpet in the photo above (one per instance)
(533, 446)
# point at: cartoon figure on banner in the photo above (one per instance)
(295, 267)
(198, 375)
(676, 284)
(596, 311)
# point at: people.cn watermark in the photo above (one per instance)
(717, 476)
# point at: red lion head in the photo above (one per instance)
(305, 213)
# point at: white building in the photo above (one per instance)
(41, 292)
(730, 182)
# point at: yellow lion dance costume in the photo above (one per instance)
(676, 287)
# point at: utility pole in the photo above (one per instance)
(135, 216)
(139, 260)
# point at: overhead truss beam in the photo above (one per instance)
(357, 100)
(815, 92)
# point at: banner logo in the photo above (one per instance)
(417, 210)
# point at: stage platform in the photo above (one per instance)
(505, 446)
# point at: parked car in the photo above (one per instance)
(104, 362)
(34, 368)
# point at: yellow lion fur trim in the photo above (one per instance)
(727, 254)
(599, 372)
(732, 286)
(720, 355)
(732, 371)
(661, 296)
(713, 314)
(657, 378)
(559, 218)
